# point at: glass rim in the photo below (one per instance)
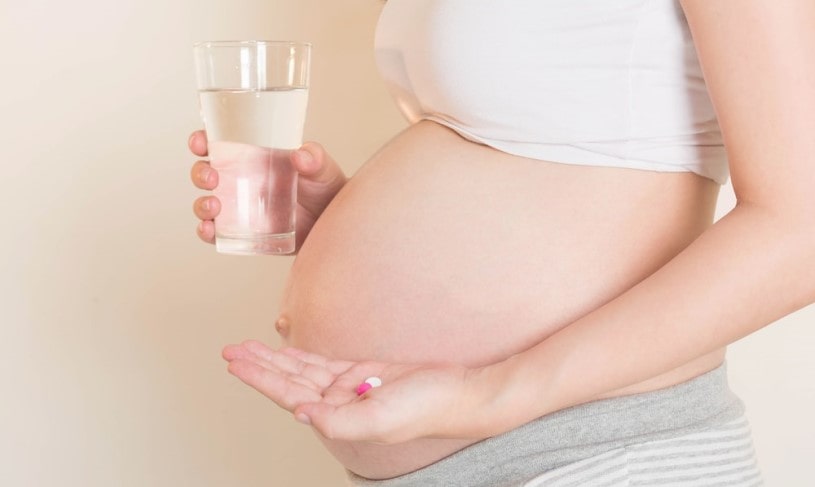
(208, 44)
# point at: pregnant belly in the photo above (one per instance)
(440, 249)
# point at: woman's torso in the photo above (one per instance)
(442, 249)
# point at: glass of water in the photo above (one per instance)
(253, 97)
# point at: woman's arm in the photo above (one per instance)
(752, 267)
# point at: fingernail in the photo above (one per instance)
(206, 205)
(303, 419)
(305, 157)
(205, 175)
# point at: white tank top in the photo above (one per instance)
(592, 82)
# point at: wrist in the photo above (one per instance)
(510, 393)
(494, 399)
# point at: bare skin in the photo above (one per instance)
(488, 290)
(393, 259)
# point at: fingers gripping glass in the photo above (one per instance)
(253, 97)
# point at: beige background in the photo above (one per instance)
(113, 314)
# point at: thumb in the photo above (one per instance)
(313, 163)
(349, 422)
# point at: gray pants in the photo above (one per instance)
(690, 434)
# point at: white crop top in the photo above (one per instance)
(592, 82)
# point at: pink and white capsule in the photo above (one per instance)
(369, 384)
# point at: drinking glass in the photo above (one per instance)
(253, 97)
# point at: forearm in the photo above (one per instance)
(749, 269)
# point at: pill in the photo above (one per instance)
(363, 388)
(374, 381)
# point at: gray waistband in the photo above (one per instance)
(580, 432)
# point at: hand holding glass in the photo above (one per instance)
(253, 98)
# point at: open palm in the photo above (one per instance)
(414, 400)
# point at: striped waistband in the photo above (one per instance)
(719, 456)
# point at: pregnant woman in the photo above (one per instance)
(531, 268)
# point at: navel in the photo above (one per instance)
(282, 325)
